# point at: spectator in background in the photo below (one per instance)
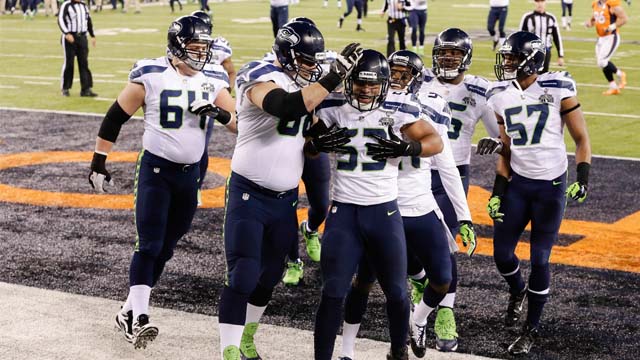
(28, 8)
(418, 22)
(498, 12)
(74, 19)
(279, 14)
(545, 26)
(204, 6)
(171, 4)
(567, 12)
(127, 5)
(50, 7)
(396, 23)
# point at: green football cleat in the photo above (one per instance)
(445, 329)
(312, 240)
(247, 347)
(417, 289)
(231, 353)
(294, 273)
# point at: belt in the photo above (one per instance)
(262, 189)
(167, 164)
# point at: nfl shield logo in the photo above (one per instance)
(245, 196)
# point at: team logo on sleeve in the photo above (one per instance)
(468, 100)
(546, 98)
(288, 36)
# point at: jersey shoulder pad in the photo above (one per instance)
(436, 108)
(477, 84)
(216, 72)
(614, 3)
(496, 87)
(221, 44)
(429, 76)
(147, 66)
(402, 102)
(556, 79)
(335, 99)
(257, 71)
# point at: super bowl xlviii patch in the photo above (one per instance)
(546, 98)
(207, 87)
(468, 100)
(386, 120)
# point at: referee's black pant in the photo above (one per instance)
(547, 60)
(393, 26)
(80, 49)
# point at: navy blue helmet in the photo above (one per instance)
(204, 17)
(411, 78)
(302, 19)
(188, 30)
(521, 55)
(297, 44)
(446, 65)
(371, 69)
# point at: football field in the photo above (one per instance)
(55, 234)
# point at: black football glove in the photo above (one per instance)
(331, 141)
(346, 60)
(99, 174)
(488, 145)
(392, 147)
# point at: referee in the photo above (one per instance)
(545, 26)
(74, 20)
(396, 23)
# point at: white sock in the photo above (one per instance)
(359, 21)
(419, 275)
(139, 295)
(306, 224)
(448, 300)
(613, 85)
(501, 41)
(569, 22)
(564, 21)
(421, 313)
(349, 334)
(619, 73)
(254, 313)
(127, 304)
(229, 335)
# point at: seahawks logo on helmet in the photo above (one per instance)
(288, 36)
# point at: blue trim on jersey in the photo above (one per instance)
(222, 48)
(495, 90)
(220, 75)
(331, 103)
(402, 107)
(476, 89)
(146, 70)
(557, 84)
(428, 78)
(436, 116)
(267, 68)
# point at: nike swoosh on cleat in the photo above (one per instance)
(389, 213)
(555, 183)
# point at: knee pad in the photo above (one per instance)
(362, 286)
(260, 296)
(243, 277)
(439, 288)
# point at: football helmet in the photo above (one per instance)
(521, 55)
(411, 78)
(446, 64)
(367, 85)
(204, 17)
(187, 30)
(302, 19)
(296, 47)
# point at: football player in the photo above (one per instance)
(359, 5)
(608, 16)
(531, 175)
(428, 238)
(273, 102)
(177, 98)
(364, 220)
(465, 93)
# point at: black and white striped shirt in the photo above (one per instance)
(545, 26)
(74, 17)
(395, 8)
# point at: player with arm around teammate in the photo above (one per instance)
(364, 219)
(273, 102)
(531, 175)
(167, 172)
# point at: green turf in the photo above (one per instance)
(31, 54)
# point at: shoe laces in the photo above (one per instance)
(420, 334)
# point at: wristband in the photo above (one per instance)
(499, 185)
(330, 81)
(583, 173)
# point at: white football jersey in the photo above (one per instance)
(268, 150)
(170, 130)
(220, 50)
(533, 122)
(468, 105)
(357, 178)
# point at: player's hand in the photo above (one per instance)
(346, 60)
(203, 107)
(577, 192)
(468, 235)
(392, 147)
(331, 141)
(493, 208)
(560, 61)
(488, 145)
(588, 23)
(99, 175)
(611, 28)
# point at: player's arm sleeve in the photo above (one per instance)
(451, 181)
(284, 105)
(90, 24)
(557, 38)
(112, 122)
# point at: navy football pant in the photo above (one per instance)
(418, 23)
(165, 203)
(542, 202)
(358, 4)
(204, 161)
(316, 176)
(351, 232)
(497, 14)
(260, 225)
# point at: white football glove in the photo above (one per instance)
(203, 107)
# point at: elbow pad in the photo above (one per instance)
(112, 122)
(284, 105)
